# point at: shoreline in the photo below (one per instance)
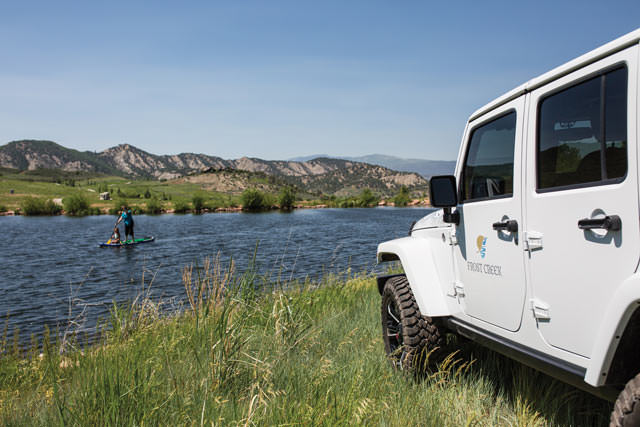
(236, 209)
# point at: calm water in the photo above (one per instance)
(45, 262)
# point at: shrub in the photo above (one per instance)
(154, 207)
(34, 206)
(348, 202)
(402, 198)
(76, 205)
(3, 208)
(270, 200)
(198, 203)
(147, 194)
(180, 206)
(367, 198)
(253, 199)
(287, 197)
(52, 208)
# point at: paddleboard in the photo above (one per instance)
(128, 242)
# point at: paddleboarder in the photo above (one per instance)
(127, 217)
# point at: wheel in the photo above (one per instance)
(626, 411)
(408, 336)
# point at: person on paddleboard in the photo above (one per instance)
(127, 217)
(115, 237)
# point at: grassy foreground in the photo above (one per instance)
(306, 356)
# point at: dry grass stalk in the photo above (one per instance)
(205, 290)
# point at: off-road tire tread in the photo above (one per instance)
(421, 334)
(626, 411)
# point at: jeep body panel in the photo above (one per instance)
(432, 220)
(427, 264)
(622, 304)
(489, 263)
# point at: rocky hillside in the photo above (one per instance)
(349, 178)
(321, 175)
(233, 181)
(426, 168)
(138, 163)
(32, 155)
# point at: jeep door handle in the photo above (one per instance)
(510, 226)
(609, 222)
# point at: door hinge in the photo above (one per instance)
(540, 309)
(532, 241)
(459, 288)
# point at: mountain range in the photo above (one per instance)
(318, 175)
(426, 168)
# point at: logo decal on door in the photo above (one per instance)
(478, 267)
(481, 242)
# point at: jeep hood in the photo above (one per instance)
(433, 220)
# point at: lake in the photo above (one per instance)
(48, 261)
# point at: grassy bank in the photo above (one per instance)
(307, 356)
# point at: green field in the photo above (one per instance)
(312, 355)
(129, 191)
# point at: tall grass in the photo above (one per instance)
(311, 355)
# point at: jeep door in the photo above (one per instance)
(489, 258)
(582, 197)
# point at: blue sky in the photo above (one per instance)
(278, 79)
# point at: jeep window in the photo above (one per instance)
(488, 169)
(582, 133)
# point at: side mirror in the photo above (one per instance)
(443, 191)
(444, 194)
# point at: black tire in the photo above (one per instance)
(408, 336)
(626, 411)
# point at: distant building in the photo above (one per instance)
(105, 196)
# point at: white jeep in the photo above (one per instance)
(536, 251)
